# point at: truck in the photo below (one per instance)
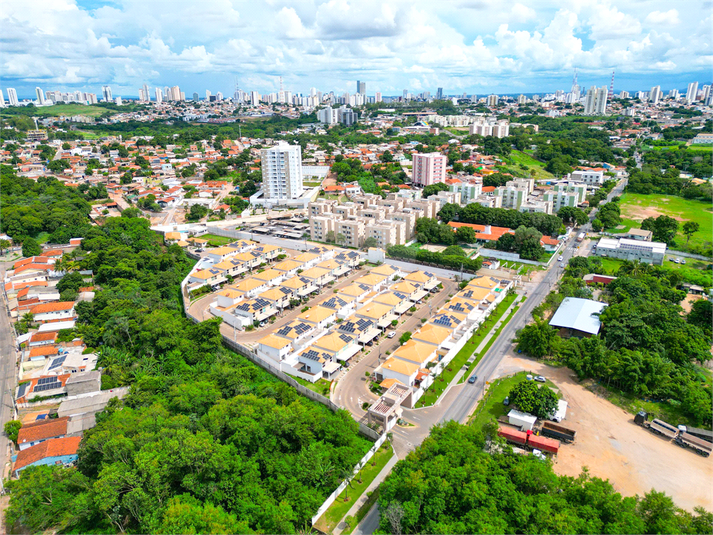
(581, 236)
(543, 443)
(560, 413)
(662, 428)
(700, 446)
(513, 435)
(550, 429)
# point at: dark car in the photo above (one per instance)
(506, 401)
(472, 379)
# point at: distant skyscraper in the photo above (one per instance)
(439, 94)
(377, 98)
(254, 98)
(2, 100)
(106, 93)
(596, 101)
(492, 100)
(624, 94)
(207, 94)
(361, 87)
(282, 171)
(159, 95)
(147, 93)
(40, 96)
(706, 93)
(405, 94)
(522, 99)
(175, 93)
(692, 92)
(655, 95)
(195, 97)
(12, 96)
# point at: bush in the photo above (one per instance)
(12, 429)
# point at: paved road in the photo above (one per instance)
(8, 377)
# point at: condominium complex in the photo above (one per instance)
(595, 102)
(282, 171)
(429, 168)
(490, 127)
(390, 221)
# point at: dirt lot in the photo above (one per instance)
(613, 447)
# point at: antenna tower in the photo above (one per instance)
(611, 86)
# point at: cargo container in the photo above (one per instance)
(701, 433)
(559, 432)
(700, 446)
(513, 435)
(521, 419)
(543, 443)
(662, 428)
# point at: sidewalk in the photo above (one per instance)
(479, 349)
(362, 499)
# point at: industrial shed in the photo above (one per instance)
(578, 317)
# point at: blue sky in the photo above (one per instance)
(471, 46)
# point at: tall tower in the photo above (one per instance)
(611, 87)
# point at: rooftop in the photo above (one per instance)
(578, 314)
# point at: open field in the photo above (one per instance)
(332, 516)
(636, 207)
(216, 241)
(693, 271)
(692, 148)
(70, 109)
(609, 443)
(520, 158)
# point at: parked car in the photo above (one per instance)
(506, 401)
(540, 379)
(683, 260)
(473, 379)
(560, 258)
(263, 323)
(391, 334)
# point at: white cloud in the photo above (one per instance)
(663, 17)
(521, 13)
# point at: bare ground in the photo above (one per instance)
(613, 447)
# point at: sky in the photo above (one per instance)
(469, 46)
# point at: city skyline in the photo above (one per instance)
(470, 47)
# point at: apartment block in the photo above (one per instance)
(536, 207)
(429, 168)
(383, 233)
(320, 226)
(468, 190)
(346, 210)
(353, 231)
(322, 206)
(572, 187)
(408, 217)
(589, 177)
(560, 199)
(446, 197)
(511, 197)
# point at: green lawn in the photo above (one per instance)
(634, 204)
(694, 148)
(321, 386)
(491, 406)
(693, 271)
(311, 184)
(442, 381)
(217, 241)
(332, 516)
(518, 158)
(363, 510)
(71, 109)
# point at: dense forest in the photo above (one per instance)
(28, 207)
(205, 442)
(646, 346)
(449, 484)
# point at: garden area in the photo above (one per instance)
(217, 241)
(357, 485)
(321, 386)
(442, 381)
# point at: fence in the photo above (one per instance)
(332, 497)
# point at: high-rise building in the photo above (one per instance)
(106, 93)
(159, 95)
(254, 98)
(147, 92)
(439, 93)
(361, 87)
(522, 99)
(429, 168)
(492, 100)
(706, 93)
(377, 98)
(595, 102)
(2, 100)
(12, 96)
(219, 96)
(405, 94)
(282, 171)
(327, 115)
(673, 94)
(346, 116)
(624, 94)
(196, 98)
(142, 96)
(692, 92)
(175, 93)
(655, 95)
(207, 94)
(40, 96)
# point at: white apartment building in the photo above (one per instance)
(492, 100)
(536, 207)
(692, 93)
(655, 95)
(282, 171)
(12, 96)
(429, 168)
(469, 190)
(568, 187)
(490, 127)
(595, 102)
(591, 178)
(560, 199)
(511, 197)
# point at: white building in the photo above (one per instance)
(159, 96)
(589, 177)
(624, 249)
(429, 168)
(2, 100)
(282, 171)
(40, 96)
(106, 93)
(692, 92)
(596, 101)
(655, 95)
(12, 96)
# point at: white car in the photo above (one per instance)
(391, 334)
(560, 258)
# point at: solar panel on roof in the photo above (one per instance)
(302, 328)
(57, 362)
(22, 389)
(345, 338)
(311, 354)
(347, 327)
(285, 330)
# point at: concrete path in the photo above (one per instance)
(362, 499)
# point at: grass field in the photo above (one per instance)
(693, 271)
(520, 158)
(321, 386)
(217, 241)
(693, 148)
(441, 383)
(636, 207)
(491, 406)
(71, 109)
(332, 516)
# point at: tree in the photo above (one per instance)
(197, 211)
(12, 428)
(533, 399)
(329, 237)
(664, 228)
(465, 234)
(370, 242)
(341, 239)
(387, 157)
(536, 339)
(506, 242)
(30, 247)
(449, 212)
(597, 225)
(453, 250)
(405, 337)
(4, 246)
(689, 229)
